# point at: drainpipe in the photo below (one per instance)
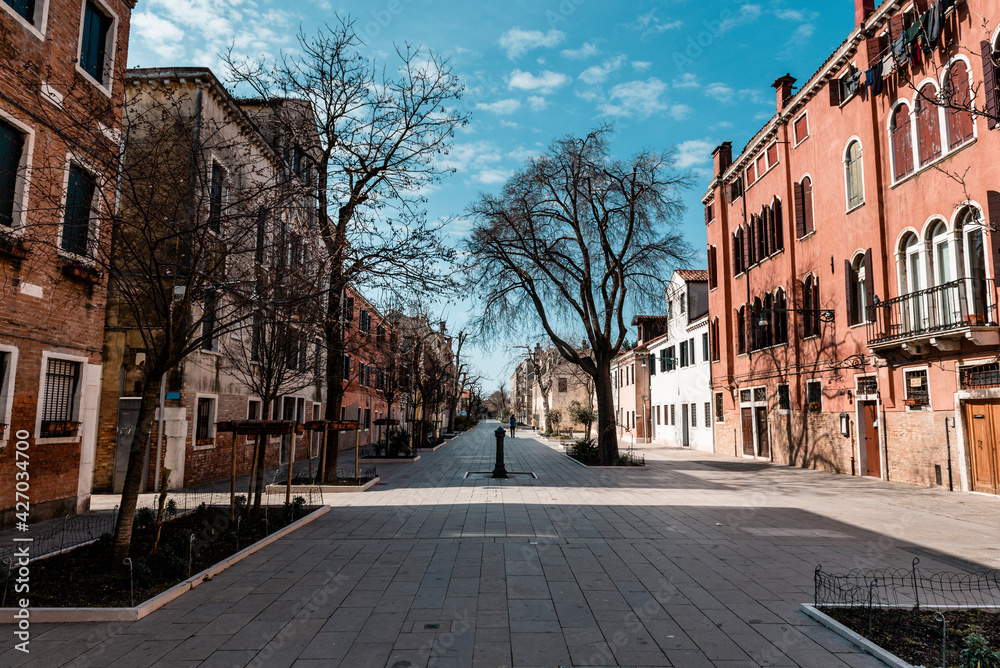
(159, 433)
(947, 445)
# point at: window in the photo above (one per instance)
(928, 125)
(658, 415)
(204, 429)
(256, 332)
(738, 267)
(59, 404)
(960, 124)
(777, 229)
(76, 230)
(349, 309)
(810, 302)
(670, 309)
(347, 367)
(784, 400)
(973, 262)
(253, 413)
(714, 342)
(96, 42)
(854, 175)
(801, 129)
(804, 208)
(772, 155)
(673, 415)
(691, 358)
(651, 361)
(704, 348)
(671, 358)
(215, 198)
(751, 174)
(814, 396)
(708, 413)
(720, 414)
(917, 395)
(694, 415)
(741, 331)
(709, 214)
(368, 419)
(761, 165)
(365, 321)
(563, 385)
(380, 334)
(779, 317)
(208, 317)
(736, 190)
(857, 275)
(902, 143)
(713, 278)
(11, 151)
(991, 57)
(684, 354)
(26, 9)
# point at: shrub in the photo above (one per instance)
(585, 448)
(977, 653)
(552, 419)
(398, 440)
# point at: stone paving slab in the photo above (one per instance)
(700, 560)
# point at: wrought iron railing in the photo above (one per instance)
(967, 302)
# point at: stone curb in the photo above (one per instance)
(389, 460)
(55, 615)
(325, 489)
(867, 645)
(434, 449)
(605, 468)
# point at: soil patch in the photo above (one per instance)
(81, 577)
(622, 461)
(915, 635)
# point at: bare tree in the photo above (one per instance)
(577, 237)
(380, 132)
(499, 401)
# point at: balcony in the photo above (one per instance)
(942, 317)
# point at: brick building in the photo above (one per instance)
(630, 374)
(252, 208)
(60, 114)
(852, 252)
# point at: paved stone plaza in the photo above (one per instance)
(700, 560)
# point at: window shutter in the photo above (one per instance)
(834, 85)
(990, 85)
(874, 51)
(736, 254)
(11, 143)
(993, 208)
(800, 212)
(849, 280)
(747, 236)
(869, 284)
(779, 227)
(895, 27)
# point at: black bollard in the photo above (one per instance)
(499, 470)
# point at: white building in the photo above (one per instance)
(680, 373)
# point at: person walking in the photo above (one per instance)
(513, 424)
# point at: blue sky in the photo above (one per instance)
(683, 73)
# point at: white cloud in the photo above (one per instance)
(746, 14)
(545, 82)
(721, 92)
(694, 152)
(537, 103)
(586, 51)
(641, 65)
(639, 99)
(517, 42)
(463, 156)
(501, 107)
(492, 176)
(650, 24)
(687, 81)
(598, 74)
(158, 34)
(800, 36)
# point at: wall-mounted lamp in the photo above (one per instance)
(845, 424)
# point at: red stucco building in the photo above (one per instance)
(61, 88)
(853, 249)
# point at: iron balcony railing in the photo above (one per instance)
(967, 302)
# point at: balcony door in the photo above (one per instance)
(943, 272)
(912, 282)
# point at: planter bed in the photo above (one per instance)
(906, 637)
(79, 577)
(434, 449)
(297, 490)
(621, 467)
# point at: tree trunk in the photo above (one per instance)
(259, 457)
(607, 438)
(133, 475)
(334, 335)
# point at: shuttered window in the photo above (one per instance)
(855, 182)
(778, 226)
(11, 149)
(741, 331)
(960, 122)
(62, 378)
(713, 278)
(79, 203)
(24, 8)
(990, 59)
(215, 198)
(902, 144)
(928, 126)
(803, 208)
(94, 41)
(801, 128)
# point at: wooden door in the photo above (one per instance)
(685, 426)
(982, 420)
(873, 459)
(747, 418)
(763, 440)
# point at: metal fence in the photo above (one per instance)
(907, 588)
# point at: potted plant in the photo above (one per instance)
(59, 427)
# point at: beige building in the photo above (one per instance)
(544, 380)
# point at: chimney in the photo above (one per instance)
(862, 10)
(723, 157)
(784, 88)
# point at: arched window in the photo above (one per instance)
(741, 331)
(737, 252)
(768, 333)
(911, 282)
(855, 176)
(858, 287)
(780, 317)
(763, 235)
(942, 273)
(973, 263)
(750, 243)
(810, 302)
(803, 208)
(960, 124)
(716, 342)
(777, 226)
(928, 125)
(902, 143)
(756, 331)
